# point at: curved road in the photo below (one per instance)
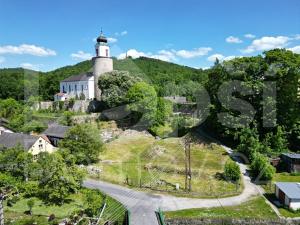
(143, 205)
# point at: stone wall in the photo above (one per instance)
(215, 221)
(85, 118)
(78, 106)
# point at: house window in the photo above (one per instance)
(40, 146)
(69, 88)
(35, 157)
(75, 87)
(63, 88)
(82, 88)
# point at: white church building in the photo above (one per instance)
(85, 86)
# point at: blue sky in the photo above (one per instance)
(46, 35)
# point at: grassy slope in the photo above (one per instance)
(255, 208)
(130, 156)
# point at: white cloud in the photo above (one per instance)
(213, 57)
(161, 55)
(297, 37)
(193, 53)
(250, 36)
(233, 39)
(30, 66)
(123, 33)
(112, 40)
(81, 55)
(2, 59)
(167, 55)
(295, 49)
(27, 49)
(132, 53)
(221, 57)
(267, 43)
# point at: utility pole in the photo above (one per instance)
(1, 209)
(188, 170)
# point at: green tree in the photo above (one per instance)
(56, 180)
(261, 169)
(164, 111)
(114, 87)
(83, 142)
(249, 143)
(232, 171)
(279, 141)
(30, 204)
(142, 100)
(67, 118)
(93, 202)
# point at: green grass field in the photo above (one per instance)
(75, 202)
(114, 211)
(160, 164)
(255, 208)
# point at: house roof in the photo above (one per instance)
(56, 130)
(10, 140)
(61, 94)
(80, 77)
(291, 189)
(292, 155)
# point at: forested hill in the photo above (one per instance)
(168, 78)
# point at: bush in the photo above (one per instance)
(261, 168)
(232, 171)
(31, 189)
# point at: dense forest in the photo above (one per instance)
(167, 78)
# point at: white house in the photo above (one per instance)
(289, 194)
(85, 86)
(32, 144)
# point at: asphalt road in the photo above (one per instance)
(143, 205)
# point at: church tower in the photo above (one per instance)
(102, 62)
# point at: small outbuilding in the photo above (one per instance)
(55, 133)
(291, 162)
(288, 194)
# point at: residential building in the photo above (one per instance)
(30, 143)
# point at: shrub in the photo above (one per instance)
(232, 171)
(261, 168)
